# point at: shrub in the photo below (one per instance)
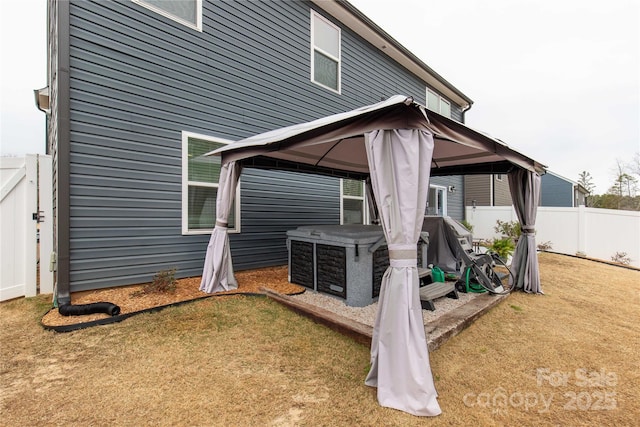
(163, 282)
(621, 258)
(510, 229)
(466, 225)
(503, 247)
(545, 246)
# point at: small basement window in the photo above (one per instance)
(187, 12)
(200, 176)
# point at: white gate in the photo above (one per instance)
(26, 212)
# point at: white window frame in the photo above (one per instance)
(314, 14)
(197, 26)
(365, 203)
(185, 186)
(439, 189)
(448, 104)
(433, 93)
(441, 101)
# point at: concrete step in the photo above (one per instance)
(436, 290)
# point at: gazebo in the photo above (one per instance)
(396, 144)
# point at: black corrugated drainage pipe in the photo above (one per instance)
(120, 317)
(96, 307)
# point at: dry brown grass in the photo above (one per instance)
(241, 361)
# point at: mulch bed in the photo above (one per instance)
(130, 301)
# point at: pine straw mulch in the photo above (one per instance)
(131, 300)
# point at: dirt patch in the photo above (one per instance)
(129, 299)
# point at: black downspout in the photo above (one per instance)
(464, 111)
(492, 177)
(63, 120)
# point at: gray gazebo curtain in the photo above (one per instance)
(217, 274)
(525, 193)
(399, 162)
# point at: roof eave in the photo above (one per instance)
(353, 18)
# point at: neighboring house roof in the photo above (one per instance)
(581, 189)
(367, 29)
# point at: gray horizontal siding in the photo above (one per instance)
(274, 202)
(477, 188)
(502, 193)
(555, 191)
(138, 79)
(109, 239)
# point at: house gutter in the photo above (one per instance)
(42, 99)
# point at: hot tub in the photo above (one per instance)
(345, 261)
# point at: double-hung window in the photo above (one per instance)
(187, 12)
(353, 201)
(200, 176)
(438, 104)
(325, 52)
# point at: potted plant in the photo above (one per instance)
(503, 247)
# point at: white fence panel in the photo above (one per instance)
(18, 244)
(560, 227)
(597, 233)
(483, 219)
(611, 231)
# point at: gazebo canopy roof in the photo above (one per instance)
(334, 144)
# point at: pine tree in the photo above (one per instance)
(586, 180)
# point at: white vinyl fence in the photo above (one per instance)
(25, 211)
(596, 233)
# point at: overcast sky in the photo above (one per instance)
(558, 81)
(22, 69)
